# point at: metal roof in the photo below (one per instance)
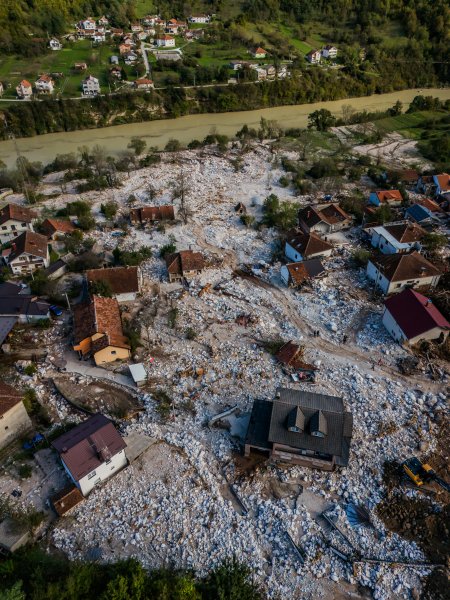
(138, 372)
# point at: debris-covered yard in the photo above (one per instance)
(187, 500)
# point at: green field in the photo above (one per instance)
(413, 125)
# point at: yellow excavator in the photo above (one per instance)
(421, 474)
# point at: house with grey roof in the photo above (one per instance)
(301, 428)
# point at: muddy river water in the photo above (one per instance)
(156, 133)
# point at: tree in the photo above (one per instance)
(321, 120)
(172, 145)
(180, 191)
(138, 145)
(434, 241)
(13, 593)
(101, 288)
(109, 209)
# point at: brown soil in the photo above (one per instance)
(98, 396)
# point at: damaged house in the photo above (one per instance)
(300, 246)
(152, 214)
(298, 273)
(98, 331)
(184, 265)
(91, 452)
(325, 219)
(123, 282)
(397, 238)
(302, 428)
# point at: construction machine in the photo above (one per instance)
(421, 474)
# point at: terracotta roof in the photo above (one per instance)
(259, 50)
(308, 244)
(143, 81)
(101, 315)
(444, 182)
(287, 353)
(186, 260)
(89, 445)
(430, 204)
(298, 272)
(25, 83)
(122, 280)
(414, 313)
(402, 267)
(9, 397)
(51, 226)
(331, 214)
(406, 232)
(389, 195)
(46, 78)
(65, 500)
(152, 213)
(16, 213)
(31, 243)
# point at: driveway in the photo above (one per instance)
(74, 365)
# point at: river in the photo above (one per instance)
(44, 148)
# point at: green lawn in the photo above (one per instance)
(412, 125)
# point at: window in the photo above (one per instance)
(113, 352)
(91, 475)
(108, 461)
(13, 227)
(24, 224)
(4, 227)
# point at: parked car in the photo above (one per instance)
(30, 444)
(55, 310)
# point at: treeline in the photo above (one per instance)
(20, 18)
(32, 574)
(313, 85)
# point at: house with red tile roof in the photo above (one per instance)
(97, 331)
(14, 419)
(386, 197)
(144, 84)
(54, 228)
(392, 273)
(165, 41)
(300, 246)
(14, 220)
(442, 183)
(184, 265)
(28, 252)
(24, 89)
(258, 52)
(397, 238)
(91, 452)
(298, 273)
(124, 282)
(44, 84)
(152, 214)
(411, 317)
(323, 219)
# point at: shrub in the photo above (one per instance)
(172, 145)
(30, 370)
(247, 220)
(172, 317)
(101, 288)
(109, 209)
(169, 248)
(190, 333)
(284, 181)
(25, 471)
(132, 258)
(361, 257)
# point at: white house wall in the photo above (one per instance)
(393, 328)
(103, 472)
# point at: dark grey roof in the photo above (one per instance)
(258, 427)
(6, 324)
(314, 267)
(321, 412)
(11, 306)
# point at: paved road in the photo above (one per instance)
(73, 365)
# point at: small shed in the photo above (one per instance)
(12, 536)
(139, 374)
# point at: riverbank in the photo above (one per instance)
(157, 133)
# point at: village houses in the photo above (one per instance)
(258, 52)
(165, 41)
(98, 331)
(314, 57)
(144, 84)
(410, 317)
(28, 252)
(56, 228)
(91, 452)
(199, 19)
(14, 419)
(54, 44)
(14, 220)
(91, 86)
(329, 52)
(24, 90)
(392, 273)
(152, 214)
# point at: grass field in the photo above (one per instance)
(413, 125)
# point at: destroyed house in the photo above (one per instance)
(54, 228)
(123, 282)
(298, 273)
(152, 214)
(91, 452)
(66, 500)
(184, 265)
(410, 317)
(325, 219)
(393, 273)
(302, 428)
(301, 246)
(98, 331)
